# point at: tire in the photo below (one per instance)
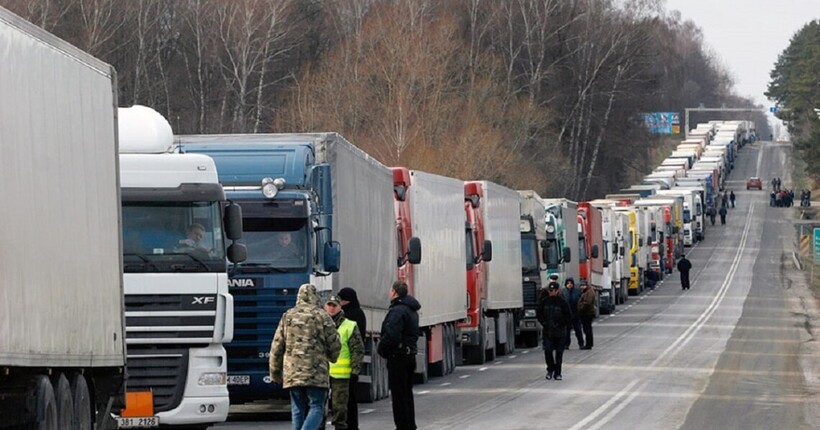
(82, 403)
(422, 375)
(474, 354)
(46, 405)
(65, 402)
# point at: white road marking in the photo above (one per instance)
(464, 376)
(444, 384)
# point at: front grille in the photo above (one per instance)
(529, 293)
(159, 370)
(257, 313)
(171, 319)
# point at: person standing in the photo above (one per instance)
(586, 311)
(305, 342)
(554, 314)
(723, 213)
(712, 212)
(353, 311)
(684, 265)
(571, 295)
(400, 332)
(732, 198)
(348, 364)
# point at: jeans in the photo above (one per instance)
(575, 324)
(553, 353)
(307, 407)
(586, 322)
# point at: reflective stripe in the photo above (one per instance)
(341, 368)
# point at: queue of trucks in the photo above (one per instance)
(164, 287)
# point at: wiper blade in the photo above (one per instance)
(196, 260)
(144, 259)
(259, 268)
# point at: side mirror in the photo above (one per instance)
(237, 253)
(606, 263)
(594, 253)
(487, 251)
(614, 249)
(623, 251)
(640, 241)
(332, 256)
(233, 221)
(414, 250)
(566, 255)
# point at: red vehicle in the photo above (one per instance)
(754, 182)
(479, 252)
(592, 269)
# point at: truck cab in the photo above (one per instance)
(287, 229)
(479, 251)
(176, 222)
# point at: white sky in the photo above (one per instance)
(748, 35)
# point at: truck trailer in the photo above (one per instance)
(62, 331)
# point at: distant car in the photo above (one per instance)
(754, 182)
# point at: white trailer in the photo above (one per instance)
(61, 290)
(436, 213)
(503, 293)
(364, 224)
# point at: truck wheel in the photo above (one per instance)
(82, 403)
(422, 375)
(449, 349)
(474, 354)
(46, 408)
(65, 404)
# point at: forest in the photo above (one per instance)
(795, 86)
(532, 94)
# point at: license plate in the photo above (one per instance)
(137, 422)
(239, 380)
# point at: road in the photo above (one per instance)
(737, 350)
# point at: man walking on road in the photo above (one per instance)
(571, 295)
(554, 315)
(586, 311)
(684, 265)
(305, 342)
(732, 198)
(722, 212)
(400, 332)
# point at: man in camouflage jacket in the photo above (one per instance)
(305, 342)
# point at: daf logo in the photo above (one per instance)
(202, 300)
(241, 283)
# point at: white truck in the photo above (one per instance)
(62, 349)
(502, 299)
(693, 213)
(364, 223)
(177, 307)
(430, 209)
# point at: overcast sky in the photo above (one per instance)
(748, 35)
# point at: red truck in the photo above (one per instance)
(479, 252)
(430, 213)
(591, 220)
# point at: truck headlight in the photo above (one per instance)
(529, 313)
(215, 378)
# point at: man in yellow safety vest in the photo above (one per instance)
(349, 361)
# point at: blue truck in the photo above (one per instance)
(287, 229)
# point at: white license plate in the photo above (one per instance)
(239, 380)
(137, 422)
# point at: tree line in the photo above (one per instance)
(533, 94)
(795, 87)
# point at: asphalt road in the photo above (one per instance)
(737, 350)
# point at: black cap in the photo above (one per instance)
(553, 286)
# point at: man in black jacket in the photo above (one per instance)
(554, 315)
(400, 332)
(684, 265)
(353, 311)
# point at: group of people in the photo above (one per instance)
(727, 200)
(805, 198)
(316, 352)
(782, 198)
(560, 311)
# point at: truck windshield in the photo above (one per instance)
(276, 244)
(582, 248)
(470, 251)
(529, 255)
(687, 216)
(172, 237)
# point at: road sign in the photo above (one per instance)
(817, 245)
(773, 109)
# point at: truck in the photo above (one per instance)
(491, 328)
(562, 236)
(318, 187)
(176, 223)
(693, 213)
(62, 348)
(593, 272)
(616, 236)
(537, 255)
(430, 216)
